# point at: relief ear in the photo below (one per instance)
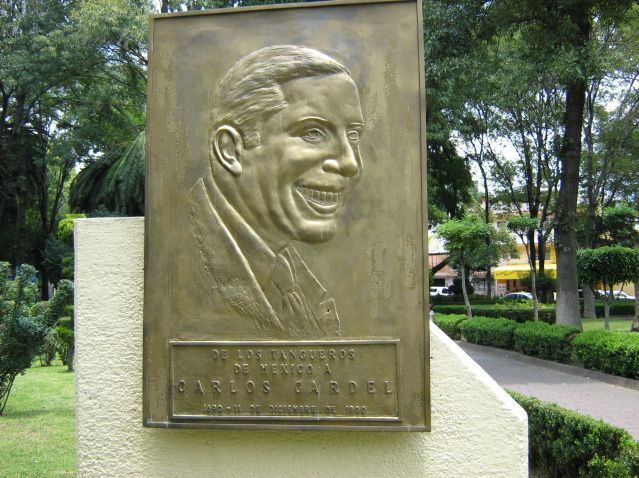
(227, 147)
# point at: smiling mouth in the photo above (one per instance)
(321, 201)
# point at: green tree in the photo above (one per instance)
(523, 226)
(112, 183)
(611, 138)
(23, 324)
(461, 238)
(66, 80)
(556, 42)
(451, 44)
(608, 265)
(620, 223)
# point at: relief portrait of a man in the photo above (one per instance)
(284, 154)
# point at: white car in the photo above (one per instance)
(439, 291)
(518, 296)
(619, 294)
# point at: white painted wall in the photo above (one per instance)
(478, 430)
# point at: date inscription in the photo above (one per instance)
(303, 380)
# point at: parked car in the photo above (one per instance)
(518, 296)
(434, 291)
(619, 294)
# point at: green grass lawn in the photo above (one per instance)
(37, 430)
(598, 324)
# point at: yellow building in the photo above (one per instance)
(508, 274)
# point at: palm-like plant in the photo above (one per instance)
(113, 183)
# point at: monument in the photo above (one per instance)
(280, 267)
(284, 241)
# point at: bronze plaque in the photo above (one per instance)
(284, 258)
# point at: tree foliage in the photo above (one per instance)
(24, 324)
(461, 238)
(619, 225)
(608, 265)
(72, 85)
(114, 183)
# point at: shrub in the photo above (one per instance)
(543, 281)
(66, 339)
(517, 311)
(458, 300)
(550, 342)
(496, 332)
(49, 349)
(456, 287)
(23, 326)
(450, 324)
(566, 444)
(611, 352)
(618, 307)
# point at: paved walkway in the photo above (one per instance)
(612, 399)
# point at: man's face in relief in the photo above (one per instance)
(295, 181)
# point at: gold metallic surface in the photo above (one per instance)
(284, 279)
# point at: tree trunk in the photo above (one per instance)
(489, 270)
(565, 237)
(566, 206)
(590, 311)
(469, 312)
(607, 303)
(541, 263)
(635, 323)
(6, 383)
(71, 357)
(533, 280)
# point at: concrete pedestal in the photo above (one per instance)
(478, 430)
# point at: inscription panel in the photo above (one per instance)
(305, 381)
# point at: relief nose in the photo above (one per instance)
(346, 162)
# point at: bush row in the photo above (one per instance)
(450, 324)
(521, 311)
(619, 307)
(567, 444)
(496, 332)
(516, 311)
(459, 300)
(625, 307)
(539, 339)
(610, 352)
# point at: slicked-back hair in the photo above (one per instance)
(251, 90)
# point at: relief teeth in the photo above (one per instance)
(326, 197)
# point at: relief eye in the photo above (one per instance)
(313, 135)
(353, 136)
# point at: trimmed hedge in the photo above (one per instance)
(516, 311)
(619, 307)
(550, 342)
(611, 352)
(459, 300)
(616, 353)
(566, 444)
(450, 324)
(496, 332)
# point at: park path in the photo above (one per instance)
(612, 399)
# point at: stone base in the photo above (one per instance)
(477, 429)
